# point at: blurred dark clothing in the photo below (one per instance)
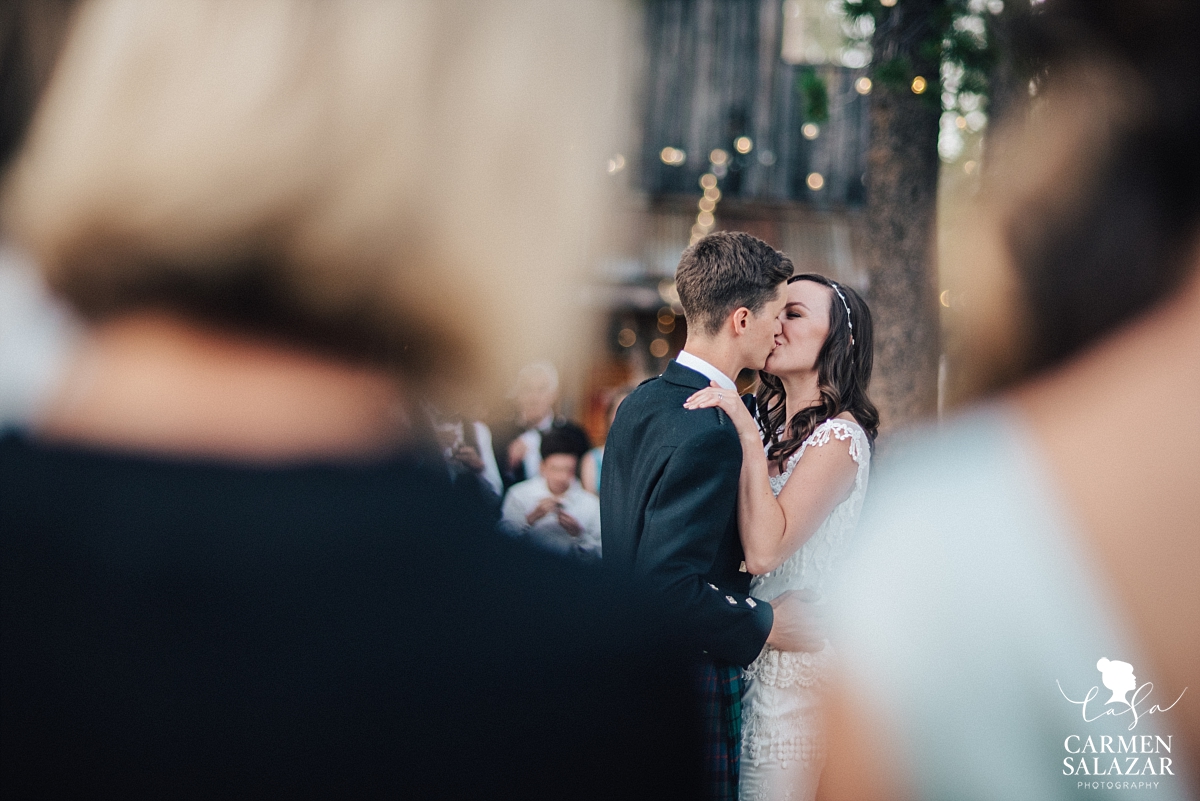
(175, 628)
(506, 432)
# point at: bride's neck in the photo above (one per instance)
(158, 383)
(801, 390)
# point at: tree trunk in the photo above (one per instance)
(902, 179)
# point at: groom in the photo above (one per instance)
(669, 488)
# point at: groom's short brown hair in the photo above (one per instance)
(725, 271)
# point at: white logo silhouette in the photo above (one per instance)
(1118, 677)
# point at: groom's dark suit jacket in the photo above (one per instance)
(668, 507)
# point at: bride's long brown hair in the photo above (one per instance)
(843, 376)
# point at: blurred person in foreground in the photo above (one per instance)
(553, 509)
(518, 439)
(231, 560)
(1021, 617)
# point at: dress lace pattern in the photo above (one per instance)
(783, 748)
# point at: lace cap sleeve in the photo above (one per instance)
(836, 428)
(833, 428)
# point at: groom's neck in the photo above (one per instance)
(717, 351)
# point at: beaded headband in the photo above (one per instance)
(849, 322)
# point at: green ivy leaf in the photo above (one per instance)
(815, 94)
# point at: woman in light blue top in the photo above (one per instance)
(1008, 561)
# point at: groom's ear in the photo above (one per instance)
(739, 319)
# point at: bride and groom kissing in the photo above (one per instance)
(736, 510)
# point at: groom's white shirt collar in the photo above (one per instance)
(705, 369)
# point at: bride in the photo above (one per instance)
(804, 474)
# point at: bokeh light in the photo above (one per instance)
(672, 156)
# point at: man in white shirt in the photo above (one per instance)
(553, 509)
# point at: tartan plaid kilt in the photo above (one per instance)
(721, 694)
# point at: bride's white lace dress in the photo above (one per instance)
(783, 747)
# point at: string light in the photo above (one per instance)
(666, 319)
(672, 156)
(863, 85)
(743, 144)
(708, 203)
(810, 130)
(815, 181)
(919, 84)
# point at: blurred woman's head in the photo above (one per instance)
(827, 330)
(1094, 207)
(379, 180)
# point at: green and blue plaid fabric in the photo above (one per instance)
(721, 694)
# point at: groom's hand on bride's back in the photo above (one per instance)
(798, 624)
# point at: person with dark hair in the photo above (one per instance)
(553, 510)
(669, 489)
(805, 464)
(1010, 555)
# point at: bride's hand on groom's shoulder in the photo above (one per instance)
(799, 624)
(728, 401)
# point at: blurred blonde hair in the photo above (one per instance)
(386, 178)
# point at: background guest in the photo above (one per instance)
(467, 448)
(517, 439)
(554, 510)
(593, 460)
